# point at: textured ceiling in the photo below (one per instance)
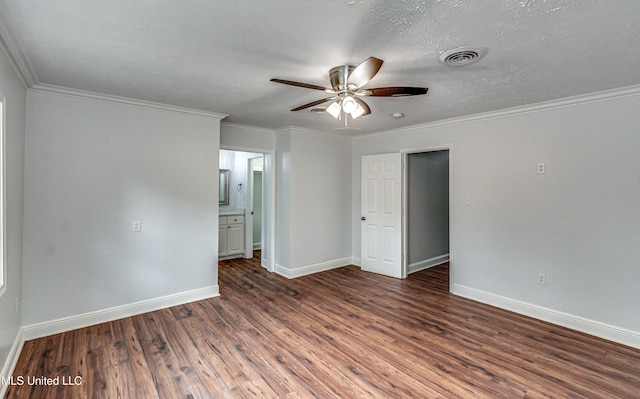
(219, 55)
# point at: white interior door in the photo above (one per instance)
(381, 205)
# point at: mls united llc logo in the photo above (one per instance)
(31, 380)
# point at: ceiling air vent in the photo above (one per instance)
(462, 56)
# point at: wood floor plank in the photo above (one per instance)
(165, 370)
(343, 333)
(74, 367)
(134, 380)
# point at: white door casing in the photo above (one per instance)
(381, 207)
(250, 212)
(248, 215)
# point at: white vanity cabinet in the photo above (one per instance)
(230, 236)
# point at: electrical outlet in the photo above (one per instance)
(541, 168)
(17, 306)
(542, 279)
(136, 226)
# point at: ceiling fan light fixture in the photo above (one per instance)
(349, 105)
(334, 109)
(359, 111)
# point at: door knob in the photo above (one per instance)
(363, 218)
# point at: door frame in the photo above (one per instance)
(405, 204)
(271, 211)
(250, 211)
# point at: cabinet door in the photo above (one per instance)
(235, 239)
(222, 240)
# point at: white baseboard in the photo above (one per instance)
(311, 269)
(427, 263)
(228, 257)
(39, 330)
(12, 360)
(578, 323)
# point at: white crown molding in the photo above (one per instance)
(298, 129)
(47, 88)
(604, 95)
(248, 128)
(16, 56)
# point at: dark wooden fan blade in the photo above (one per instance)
(364, 72)
(318, 102)
(304, 85)
(394, 91)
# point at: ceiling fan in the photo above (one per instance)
(347, 83)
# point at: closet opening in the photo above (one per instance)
(427, 213)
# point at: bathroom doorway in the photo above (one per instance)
(251, 194)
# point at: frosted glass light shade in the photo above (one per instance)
(334, 109)
(349, 104)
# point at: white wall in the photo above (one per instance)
(314, 197)
(234, 136)
(14, 94)
(283, 200)
(579, 223)
(93, 167)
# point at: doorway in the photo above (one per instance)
(427, 203)
(254, 206)
(252, 194)
(257, 210)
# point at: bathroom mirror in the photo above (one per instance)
(224, 187)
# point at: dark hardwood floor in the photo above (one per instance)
(338, 334)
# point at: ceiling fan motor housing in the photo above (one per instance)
(339, 75)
